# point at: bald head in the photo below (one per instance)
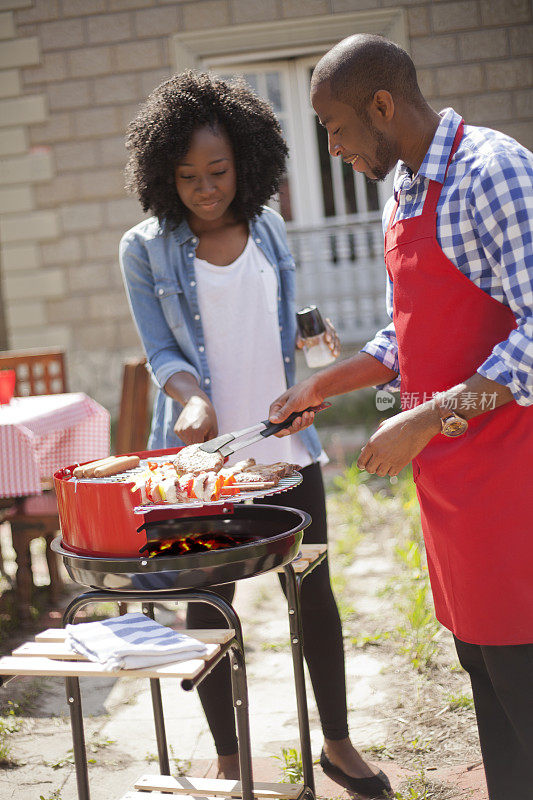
(357, 67)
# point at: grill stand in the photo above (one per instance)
(235, 649)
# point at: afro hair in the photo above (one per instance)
(160, 135)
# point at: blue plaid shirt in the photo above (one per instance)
(485, 228)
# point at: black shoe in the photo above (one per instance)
(376, 786)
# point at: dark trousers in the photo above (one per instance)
(323, 644)
(502, 685)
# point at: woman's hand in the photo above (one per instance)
(298, 397)
(398, 440)
(197, 422)
(332, 338)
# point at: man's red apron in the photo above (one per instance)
(475, 491)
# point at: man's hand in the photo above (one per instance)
(398, 440)
(296, 398)
(197, 422)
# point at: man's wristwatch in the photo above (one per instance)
(451, 423)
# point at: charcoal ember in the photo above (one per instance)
(195, 543)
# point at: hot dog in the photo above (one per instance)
(86, 470)
(117, 465)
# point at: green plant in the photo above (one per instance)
(421, 745)
(93, 746)
(291, 769)
(421, 633)
(182, 766)
(9, 724)
(415, 789)
(66, 761)
(54, 796)
(419, 630)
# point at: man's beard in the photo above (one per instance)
(384, 161)
(382, 165)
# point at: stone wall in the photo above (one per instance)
(71, 75)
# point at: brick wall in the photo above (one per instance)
(71, 75)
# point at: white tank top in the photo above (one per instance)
(239, 312)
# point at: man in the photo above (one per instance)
(459, 258)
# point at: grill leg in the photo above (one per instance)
(240, 701)
(72, 687)
(157, 705)
(295, 627)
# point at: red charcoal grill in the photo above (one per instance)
(104, 547)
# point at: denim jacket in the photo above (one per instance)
(158, 269)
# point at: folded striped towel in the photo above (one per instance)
(131, 642)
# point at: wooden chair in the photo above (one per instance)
(132, 427)
(37, 372)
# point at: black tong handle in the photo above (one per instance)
(275, 427)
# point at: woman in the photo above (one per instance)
(210, 281)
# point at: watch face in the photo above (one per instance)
(454, 426)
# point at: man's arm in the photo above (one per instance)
(357, 372)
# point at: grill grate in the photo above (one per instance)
(128, 477)
(284, 485)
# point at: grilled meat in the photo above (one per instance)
(192, 459)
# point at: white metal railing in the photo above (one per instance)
(340, 268)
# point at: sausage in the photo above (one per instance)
(120, 464)
(86, 470)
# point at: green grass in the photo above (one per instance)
(411, 589)
(458, 701)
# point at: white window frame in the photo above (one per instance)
(292, 37)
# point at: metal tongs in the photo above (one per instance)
(223, 444)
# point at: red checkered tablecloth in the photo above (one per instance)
(38, 435)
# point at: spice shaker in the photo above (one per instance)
(313, 332)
